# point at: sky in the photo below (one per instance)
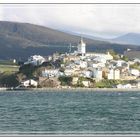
(104, 20)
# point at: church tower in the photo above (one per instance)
(81, 47)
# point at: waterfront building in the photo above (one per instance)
(124, 86)
(29, 83)
(86, 83)
(75, 80)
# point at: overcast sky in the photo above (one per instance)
(105, 21)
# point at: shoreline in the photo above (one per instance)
(71, 89)
(86, 89)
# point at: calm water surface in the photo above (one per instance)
(69, 113)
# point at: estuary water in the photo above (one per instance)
(69, 112)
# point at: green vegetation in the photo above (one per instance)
(135, 66)
(28, 70)
(109, 83)
(8, 80)
(8, 71)
(81, 79)
(114, 54)
(125, 58)
(8, 68)
(65, 81)
(7, 62)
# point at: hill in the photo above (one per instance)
(20, 40)
(130, 38)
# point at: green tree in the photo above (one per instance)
(65, 80)
(114, 54)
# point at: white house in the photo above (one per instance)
(87, 73)
(96, 65)
(50, 73)
(29, 83)
(110, 74)
(138, 85)
(114, 74)
(92, 64)
(97, 73)
(124, 86)
(86, 83)
(35, 60)
(135, 72)
(122, 63)
(75, 80)
(100, 59)
(68, 71)
(106, 57)
(83, 64)
(136, 60)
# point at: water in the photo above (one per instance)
(54, 113)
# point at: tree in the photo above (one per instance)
(114, 54)
(65, 80)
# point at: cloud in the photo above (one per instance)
(99, 20)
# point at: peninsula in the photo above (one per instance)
(74, 69)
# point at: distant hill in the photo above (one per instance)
(130, 38)
(20, 40)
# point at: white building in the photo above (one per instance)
(104, 56)
(110, 74)
(97, 73)
(29, 83)
(135, 72)
(83, 64)
(100, 59)
(138, 85)
(81, 47)
(35, 60)
(114, 74)
(86, 83)
(136, 60)
(50, 73)
(69, 72)
(96, 65)
(87, 73)
(121, 63)
(124, 86)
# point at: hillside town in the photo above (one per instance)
(81, 69)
